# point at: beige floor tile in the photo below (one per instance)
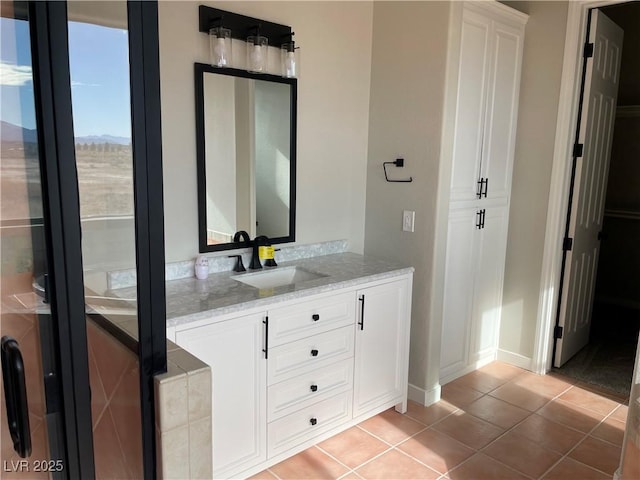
(431, 414)
(459, 395)
(589, 400)
(392, 426)
(620, 413)
(489, 377)
(516, 394)
(470, 430)
(496, 411)
(549, 434)
(598, 454)
(569, 469)
(436, 450)
(610, 430)
(396, 465)
(353, 447)
(481, 467)
(522, 454)
(571, 415)
(309, 464)
(263, 475)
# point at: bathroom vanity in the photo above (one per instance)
(300, 357)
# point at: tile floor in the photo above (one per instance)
(499, 422)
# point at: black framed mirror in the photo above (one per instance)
(246, 153)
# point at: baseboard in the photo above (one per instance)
(515, 359)
(422, 396)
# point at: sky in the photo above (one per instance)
(99, 64)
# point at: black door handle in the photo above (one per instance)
(15, 392)
(361, 322)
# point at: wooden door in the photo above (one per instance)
(592, 169)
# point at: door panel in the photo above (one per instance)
(487, 291)
(592, 170)
(499, 144)
(24, 315)
(471, 98)
(458, 289)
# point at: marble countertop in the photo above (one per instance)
(190, 299)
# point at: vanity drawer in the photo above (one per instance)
(303, 319)
(304, 390)
(307, 423)
(296, 358)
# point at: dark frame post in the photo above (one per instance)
(144, 59)
(52, 89)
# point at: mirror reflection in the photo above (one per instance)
(246, 136)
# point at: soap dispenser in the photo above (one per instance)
(266, 254)
(202, 267)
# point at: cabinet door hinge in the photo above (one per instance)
(557, 332)
(567, 245)
(578, 148)
(588, 50)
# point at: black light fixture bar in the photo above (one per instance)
(242, 26)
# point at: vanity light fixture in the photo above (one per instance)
(257, 33)
(220, 45)
(290, 58)
(257, 51)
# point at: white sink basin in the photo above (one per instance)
(277, 277)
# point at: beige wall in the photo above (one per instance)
(333, 115)
(539, 94)
(407, 91)
(362, 103)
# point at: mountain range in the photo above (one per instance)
(14, 133)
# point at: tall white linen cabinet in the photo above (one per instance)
(486, 110)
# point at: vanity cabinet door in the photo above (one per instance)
(234, 350)
(382, 346)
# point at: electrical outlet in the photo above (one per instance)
(408, 221)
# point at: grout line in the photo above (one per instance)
(336, 459)
(371, 460)
(419, 461)
(580, 442)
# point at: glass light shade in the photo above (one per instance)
(220, 46)
(290, 60)
(257, 53)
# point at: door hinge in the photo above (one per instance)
(578, 148)
(588, 50)
(557, 332)
(567, 245)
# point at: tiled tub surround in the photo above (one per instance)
(183, 417)
(220, 262)
(115, 406)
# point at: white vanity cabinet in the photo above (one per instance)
(328, 365)
(491, 37)
(473, 287)
(234, 350)
(382, 347)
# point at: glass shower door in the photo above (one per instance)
(32, 443)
